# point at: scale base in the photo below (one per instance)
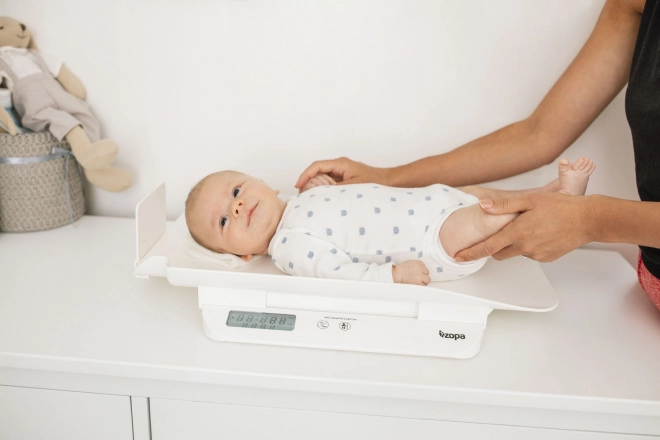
(350, 332)
(440, 320)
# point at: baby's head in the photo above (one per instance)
(230, 212)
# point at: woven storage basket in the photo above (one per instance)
(33, 196)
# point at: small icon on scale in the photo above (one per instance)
(344, 326)
(322, 325)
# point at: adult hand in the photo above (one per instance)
(549, 226)
(343, 171)
(318, 180)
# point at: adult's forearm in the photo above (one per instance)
(594, 78)
(506, 152)
(626, 221)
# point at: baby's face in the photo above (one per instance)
(235, 213)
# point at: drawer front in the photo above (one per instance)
(30, 413)
(179, 420)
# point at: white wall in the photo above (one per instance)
(266, 87)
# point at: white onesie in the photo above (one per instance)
(358, 232)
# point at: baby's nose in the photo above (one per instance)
(237, 207)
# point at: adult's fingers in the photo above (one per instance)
(505, 205)
(509, 252)
(320, 166)
(549, 226)
(318, 180)
(312, 183)
(325, 179)
(487, 248)
(352, 181)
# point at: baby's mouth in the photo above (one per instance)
(250, 214)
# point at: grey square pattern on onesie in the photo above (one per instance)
(359, 231)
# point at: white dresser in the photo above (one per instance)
(89, 351)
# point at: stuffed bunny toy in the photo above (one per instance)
(48, 97)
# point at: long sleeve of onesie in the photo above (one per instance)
(301, 254)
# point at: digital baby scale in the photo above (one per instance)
(259, 304)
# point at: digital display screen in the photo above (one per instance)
(265, 321)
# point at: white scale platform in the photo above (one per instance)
(445, 319)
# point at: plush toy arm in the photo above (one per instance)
(71, 83)
(7, 121)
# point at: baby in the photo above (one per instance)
(358, 232)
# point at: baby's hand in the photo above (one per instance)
(411, 272)
(319, 180)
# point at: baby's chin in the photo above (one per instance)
(257, 250)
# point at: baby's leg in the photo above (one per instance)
(468, 226)
(490, 193)
(573, 179)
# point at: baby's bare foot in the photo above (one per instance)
(573, 178)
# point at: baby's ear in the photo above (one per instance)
(246, 258)
(32, 45)
(277, 191)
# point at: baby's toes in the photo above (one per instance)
(563, 166)
(590, 167)
(587, 167)
(587, 163)
(578, 165)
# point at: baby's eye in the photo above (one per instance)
(236, 192)
(223, 221)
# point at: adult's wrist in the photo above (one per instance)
(422, 172)
(397, 176)
(388, 176)
(593, 223)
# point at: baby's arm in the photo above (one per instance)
(297, 253)
(411, 272)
